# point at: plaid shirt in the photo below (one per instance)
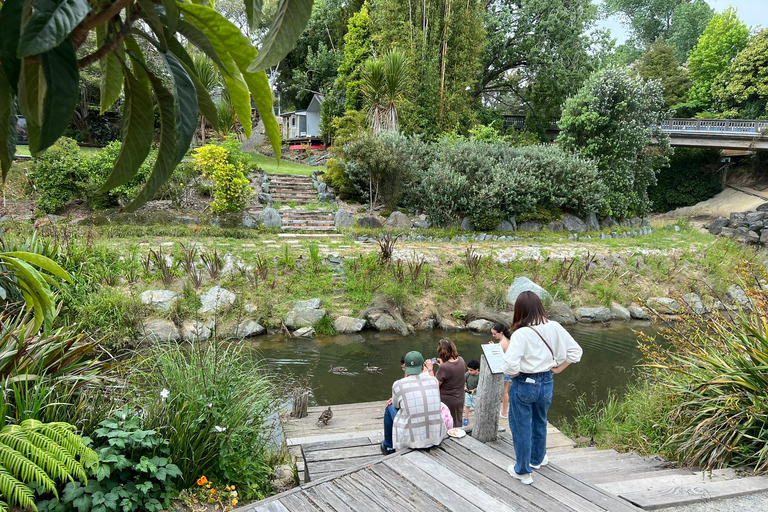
(418, 423)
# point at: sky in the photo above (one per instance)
(751, 12)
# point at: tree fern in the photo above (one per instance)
(35, 452)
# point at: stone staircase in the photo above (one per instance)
(651, 482)
(309, 220)
(287, 188)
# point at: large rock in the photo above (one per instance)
(530, 226)
(422, 222)
(717, 225)
(746, 235)
(195, 331)
(562, 313)
(695, 303)
(343, 219)
(304, 332)
(161, 300)
(250, 221)
(466, 224)
(523, 284)
(736, 295)
(448, 323)
(638, 313)
(383, 321)
(248, 328)
(480, 325)
(592, 223)
(159, 329)
(764, 236)
(425, 325)
(619, 312)
(609, 223)
(265, 198)
(762, 208)
(270, 218)
(664, 305)
(555, 225)
(215, 299)
(574, 224)
(326, 197)
(303, 317)
(348, 324)
(398, 220)
(322, 188)
(737, 220)
(598, 314)
(369, 222)
(752, 217)
(308, 304)
(506, 225)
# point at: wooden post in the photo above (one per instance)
(300, 401)
(488, 404)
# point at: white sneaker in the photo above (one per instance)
(543, 463)
(525, 479)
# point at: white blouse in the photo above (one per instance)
(527, 353)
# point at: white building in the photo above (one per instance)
(303, 124)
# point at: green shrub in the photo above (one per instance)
(690, 178)
(226, 165)
(59, 175)
(134, 471)
(336, 177)
(100, 166)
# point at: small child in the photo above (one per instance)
(472, 377)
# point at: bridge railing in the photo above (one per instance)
(750, 126)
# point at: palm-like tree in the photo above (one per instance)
(208, 74)
(383, 83)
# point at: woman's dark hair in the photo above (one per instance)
(499, 327)
(446, 350)
(528, 311)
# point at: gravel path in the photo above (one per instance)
(753, 502)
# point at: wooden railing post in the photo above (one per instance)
(488, 404)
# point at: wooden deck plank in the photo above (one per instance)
(339, 443)
(361, 497)
(493, 481)
(694, 493)
(337, 466)
(296, 503)
(570, 482)
(414, 496)
(600, 480)
(458, 483)
(432, 487)
(341, 453)
(665, 481)
(274, 506)
(329, 500)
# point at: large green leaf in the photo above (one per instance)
(151, 16)
(210, 23)
(201, 42)
(185, 105)
(10, 27)
(258, 83)
(252, 10)
(7, 125)
(51, 22)
(32, 89)
(111, 74)
(43, 262)
(171, 14)
(166, 153)
(205, 103)
(138, 130)
(289, 22)
(62, 76)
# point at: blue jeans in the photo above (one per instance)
(389, 419)
(528, 406)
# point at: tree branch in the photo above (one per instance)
(90, 22)
(106, 48)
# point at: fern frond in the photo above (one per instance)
(24, 469)
(48, 462)
(73, 468)
(14, 492)
(63, 434)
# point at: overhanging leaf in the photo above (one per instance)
(172, 15)
(138, 130)
(258, 83)
(167, 151)
(289, 22)
(201, 42)
(7, 125)
(10, 27)
(150, 15)
(185, 105)
(62, 76)
(32, 89)
(204, 101)
(252, 10)
(111, 74)
(51, 22)
(41, 261)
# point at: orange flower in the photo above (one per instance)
(202, 480)
(213, 491)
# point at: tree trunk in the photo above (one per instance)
(300, 401)
(489, 390)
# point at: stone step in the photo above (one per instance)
(288, 222)
(309, 228)
(299, 200)
(308, 214)
(293, 194)
(283, 186)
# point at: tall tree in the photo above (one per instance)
(647, 19)
(357, 49)
(688, 22)
(614, 118)
(725, 36)
(743, 88)
(317, 75)
(659, 63)
(383, 84)
(538, 54)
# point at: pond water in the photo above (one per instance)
(610, 355)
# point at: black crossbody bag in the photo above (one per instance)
(545, 343)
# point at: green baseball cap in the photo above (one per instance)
(414, 363)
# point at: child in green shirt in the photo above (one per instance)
(472, 377)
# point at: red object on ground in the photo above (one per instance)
(304, 146)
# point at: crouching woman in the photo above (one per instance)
(412, 418)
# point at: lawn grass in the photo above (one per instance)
(271, 166)
(24, 150)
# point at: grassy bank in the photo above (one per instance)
(270, 165)
(436, 280)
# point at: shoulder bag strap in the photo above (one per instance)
(545, 343)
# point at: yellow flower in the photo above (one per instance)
(234, 502)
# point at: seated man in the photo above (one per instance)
(412, 418)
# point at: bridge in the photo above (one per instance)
(743, 134)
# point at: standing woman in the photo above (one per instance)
(450, 375)
(500, 332)
(537, 349)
